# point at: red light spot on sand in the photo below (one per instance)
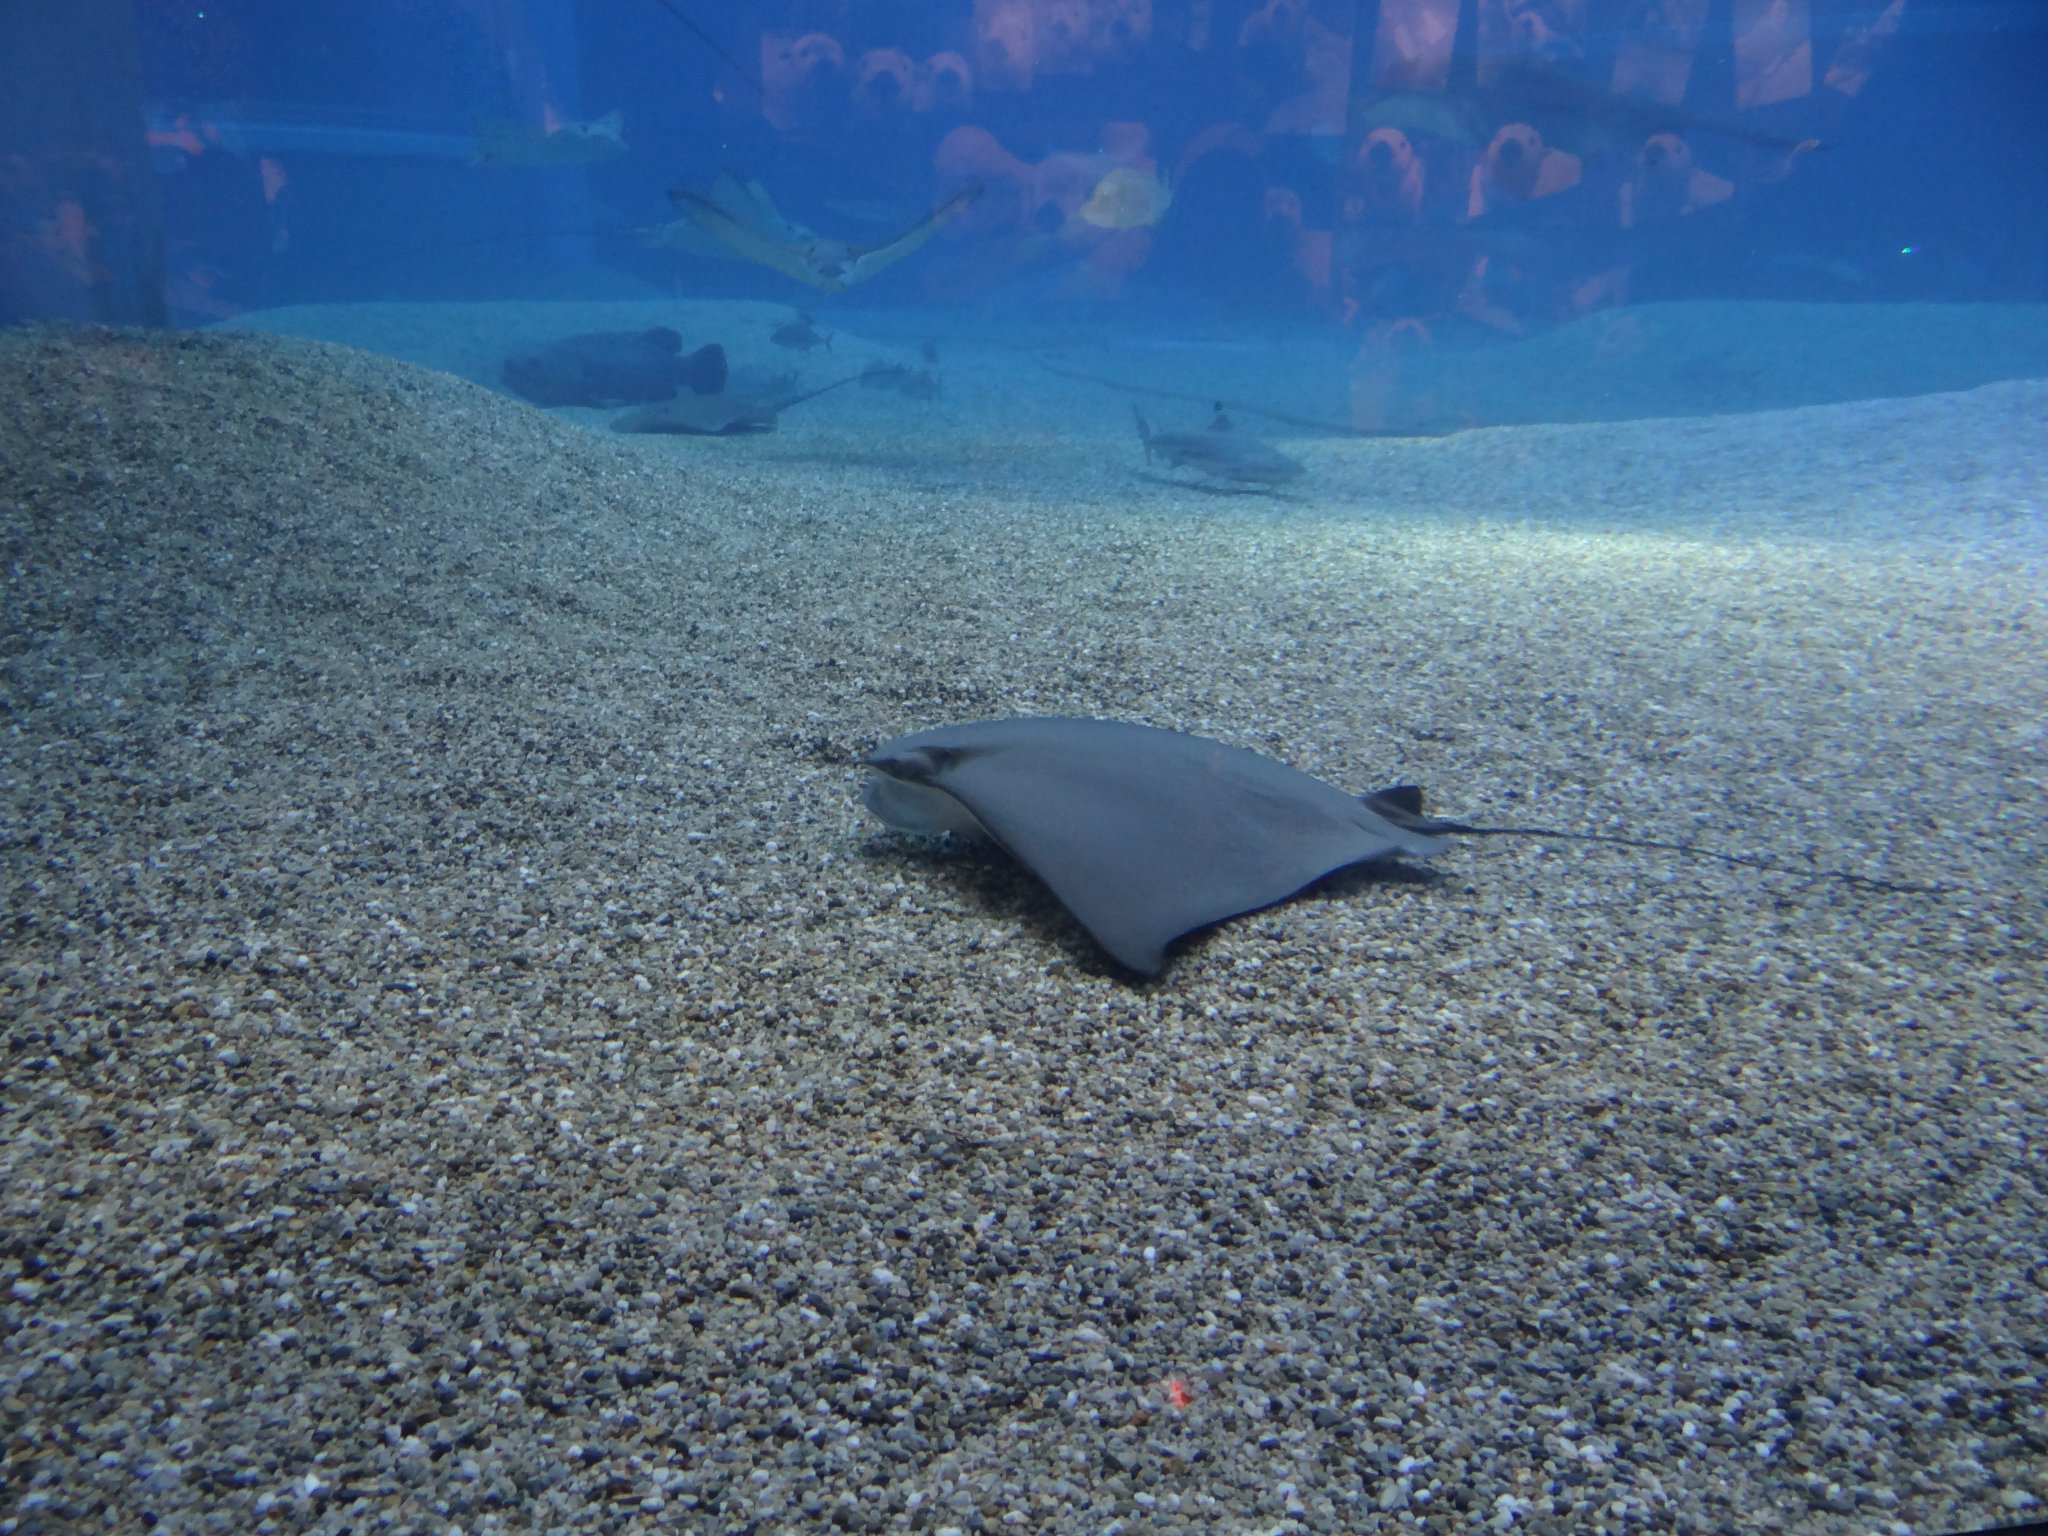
(1177, 1394)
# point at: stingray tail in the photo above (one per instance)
(1402, 805)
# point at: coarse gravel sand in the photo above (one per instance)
(470, 1062)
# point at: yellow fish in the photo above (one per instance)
(1127, 199)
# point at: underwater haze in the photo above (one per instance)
(1143, 766)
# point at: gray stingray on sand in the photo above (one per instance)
(1145, 834)
(1221, 453)
(718, 415)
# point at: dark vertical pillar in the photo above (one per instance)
(79, 236)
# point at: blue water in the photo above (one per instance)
(1723, 150)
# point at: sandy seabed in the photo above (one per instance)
(470, 1062)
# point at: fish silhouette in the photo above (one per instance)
(1128, 199)
(801, 333)
(615, 368)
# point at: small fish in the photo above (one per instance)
(1127, 199)
(1222, 453)
(555, 143)
(802, 333)
(928, 350)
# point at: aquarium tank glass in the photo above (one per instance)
(1253, 767)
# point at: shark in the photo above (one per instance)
(1222, 453)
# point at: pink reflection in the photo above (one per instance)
(1518, 167)
(1665, 184)
(1005, 44)
(1309, 250)
(804, 79)
(1411, 48)
(885, 80)
(1857, 56)
(1773, 51)
(1390, 177)
(1017, 40)
(945, 84)
(1527, 29)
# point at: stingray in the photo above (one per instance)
(717, 415)
(741, 216)
(1146, 835)
(1143, 834)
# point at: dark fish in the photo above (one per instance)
(615, 368)
(802, 333)
(1222, 453)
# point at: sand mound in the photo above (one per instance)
(468, 1056)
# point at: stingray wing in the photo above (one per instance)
(745, 238)
(1145, 835)
(864, 264)
(748, 202)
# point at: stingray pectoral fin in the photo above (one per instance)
(868, 262)
(1145, 835)
(752, 244)
(1138, 882)
(748, 202)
